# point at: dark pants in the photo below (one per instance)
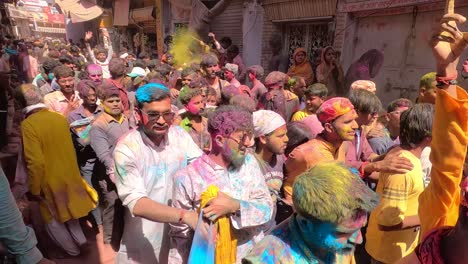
(108, 197)
(96, 212)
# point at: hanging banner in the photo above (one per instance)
(121, 11)
(53, 16)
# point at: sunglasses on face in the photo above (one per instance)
(154, 116)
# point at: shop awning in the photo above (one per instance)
(79, 11)
(51, 30)
(284, 10)
(141, 14)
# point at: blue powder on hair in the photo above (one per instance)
(143, 94)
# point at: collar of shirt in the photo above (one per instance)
(329, 146)
(108, 118)
(61, 97)
(211, 163)
(80, 111)
(150, 143)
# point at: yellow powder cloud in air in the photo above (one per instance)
(187, 48)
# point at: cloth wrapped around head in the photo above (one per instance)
(364, 85)
(334, 108)
(266, 121)
(234, 68)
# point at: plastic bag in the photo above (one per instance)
(203, 248)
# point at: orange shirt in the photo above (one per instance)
(307, 156)
(438, 204)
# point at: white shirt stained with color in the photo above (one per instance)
(145, 170)
(245, 184)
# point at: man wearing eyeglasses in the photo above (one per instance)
(243, 195)
(146, 160)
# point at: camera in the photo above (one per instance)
(220, 74)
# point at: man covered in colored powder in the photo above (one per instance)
(192, 120)
(243, 196)
(337, 116)
(270, 143)
(105, 131)
(94, 73)
(282, 101)
(331, 204)
(145, 162)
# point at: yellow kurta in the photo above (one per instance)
(53, 169)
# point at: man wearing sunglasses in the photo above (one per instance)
(145, 162)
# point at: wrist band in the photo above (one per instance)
(446, 80)
(361, 170)
(181, 216)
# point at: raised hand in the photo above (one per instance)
(447, 49)
(105, 33)
(74, 103)
(88, 36)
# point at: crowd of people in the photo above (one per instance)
(289, 167)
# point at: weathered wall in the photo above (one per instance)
(402, 36)
(229, 23)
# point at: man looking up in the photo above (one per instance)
(145, 162)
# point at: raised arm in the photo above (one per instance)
(88, 37)
(110, 50)
(438, 204)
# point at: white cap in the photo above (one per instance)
(234, 68)
(266, 121)
(123, 56)
(137, 72)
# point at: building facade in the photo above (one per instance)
(401, 30)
